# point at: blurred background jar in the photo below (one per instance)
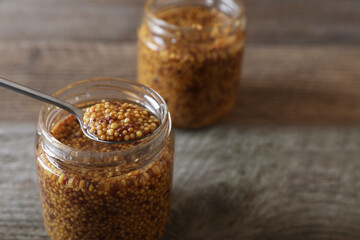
(191, 53)
(91, 190)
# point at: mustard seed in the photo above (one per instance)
(139, 134)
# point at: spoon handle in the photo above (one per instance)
(40, 96)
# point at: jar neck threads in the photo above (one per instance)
(165, 32)
(92, 91)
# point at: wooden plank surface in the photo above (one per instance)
(281, 83)
(269, 21)
(230, 182)
(284, 165)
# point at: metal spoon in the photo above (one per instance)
(77, 112)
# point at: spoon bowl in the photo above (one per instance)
(77, 112)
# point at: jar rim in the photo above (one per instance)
(164, 24)
(73, 153)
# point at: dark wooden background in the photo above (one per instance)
(304, 53)
(283, 165)
(270, 21)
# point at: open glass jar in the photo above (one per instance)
(190, 52)
(92, 190)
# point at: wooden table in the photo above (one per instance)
(284, 165)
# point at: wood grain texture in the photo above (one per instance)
(230, 182)
(281, 84)
(284, 165)
(269, 21)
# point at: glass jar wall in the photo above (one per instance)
(190, 52)
(91, 190)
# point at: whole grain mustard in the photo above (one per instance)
(104, 204)
(93, 190)
(117, 121)
(192, 56)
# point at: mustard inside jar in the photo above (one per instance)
(92, 190)
(191, 53)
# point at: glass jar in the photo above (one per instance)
(101, 193)
(191, 52)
